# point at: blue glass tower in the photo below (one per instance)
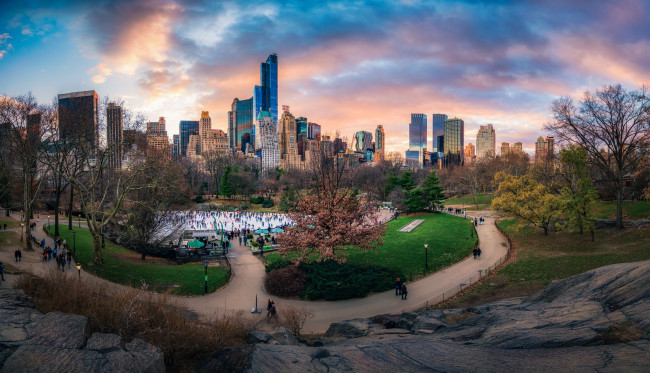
(437, 130)
(418, 132)
(187, 128)
(269, 86)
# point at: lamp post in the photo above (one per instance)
(21, 231)
(79, 270)
(74, 241)
(205, 264)
(426, 257)
(48, 220)
(79, 220)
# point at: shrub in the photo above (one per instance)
(200, 199)
(293, 318)
(249, 236)
(244, 206)
(285, 282)
(268, 203)
(257, 200)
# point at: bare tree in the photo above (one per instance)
(24, 122)
(215, 163)
(610, 125)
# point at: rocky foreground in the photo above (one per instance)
(595, 321)
(57, 342)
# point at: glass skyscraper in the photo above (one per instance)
(454, 142)
(418, 132)
(187, 128)
(79, 116)
(437, 130)
(269, 86)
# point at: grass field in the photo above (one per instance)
(449, 237)
(484, 201)
(632, 210)
(10, 223)
(124, 267)
(540, 260)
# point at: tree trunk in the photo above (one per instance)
(70, 208)
(593, 238)
(619, 203)
(545, 231)
(144, 256)
(97, 244)
(57, 202)
(28, 212)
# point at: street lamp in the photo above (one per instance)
(48, 220)
(205, 264)
(74, 241)
(426, 257)
(21, 231)
(79, 220)
(79, 270)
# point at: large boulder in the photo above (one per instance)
(17, 311)
(351, 329)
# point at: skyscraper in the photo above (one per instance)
(241, 126)
(362, 141)
(454, 137)
(485, 144)
(418, 137)
(505, 149)
(438, 130)
(114, 136)
(379, 143)
(205, 132)
(289, 158)
(176, 146)
(469, 153)
(269, 83)
(268, 140)
(517, 148)
(187, 128)
(549, 148)
(540, 149)
(313, 131)
(79, 116)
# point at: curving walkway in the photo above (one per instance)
(248, 281)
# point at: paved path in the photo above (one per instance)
(248, 281)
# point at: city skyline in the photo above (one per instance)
(350, 68)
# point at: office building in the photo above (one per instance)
(517, 148)
(269, 86)
(313, 131)
(544, 148)
(289, 157)
(157, 139)
(34, 129)
(380, 143)
(454, 142)
(485, 142)
(339, 145)
(176, 146)
(470, 154)
(187, 128)
(241, 125)
(267, 137)
(205, 133)
(311, 152)
(549, 147)
(362, 141)
(438, 131)
(417, 139)
(193, 145)
(505, 149)
(79, 117)
(114, 136)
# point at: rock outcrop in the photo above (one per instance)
(571, 325)
(57, 342)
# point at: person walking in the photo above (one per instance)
(398, 287)
(475, 252)
(2, 271)
(16, 254)
(404, 291)
(478, 252)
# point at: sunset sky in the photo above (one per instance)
(348, 65)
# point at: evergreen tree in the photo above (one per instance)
(226, 182)
(392, 182)
(414, 200)
(406, 181)
(288, 200)
(434, 193)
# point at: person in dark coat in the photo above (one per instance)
(478, 252)
(404, 291)
(475, 252)
(398, 287)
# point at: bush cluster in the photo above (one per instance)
(285, 282)
(268, 203)
(331, 280)
(257, 200)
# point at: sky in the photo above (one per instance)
(347, 65)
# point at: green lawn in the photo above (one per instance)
(541, 259)
(449, 237)
(632, 210)
(484, 201)
(186, 279)
(10, 223)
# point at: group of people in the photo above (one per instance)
(271, 309)
(230, 221)
(18, 254)
(61, 253)
(478, 221)
(477, 252)
(400, 288)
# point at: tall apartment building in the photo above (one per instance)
(289, 157)
(79, 117)
(268, 140)
(517, 148)
(241, 125)
(312, 153)
(219, 141)
(313, 131)
(362, 141)
(205, 133)
(269, 86)
(454, 142)
(544, 148)
(485, 142)
(470, 155)
(505, 149)
(417, 140)
(114, 136)
(193, 145)
(380, 143)
(157, 139)
(176, 146)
